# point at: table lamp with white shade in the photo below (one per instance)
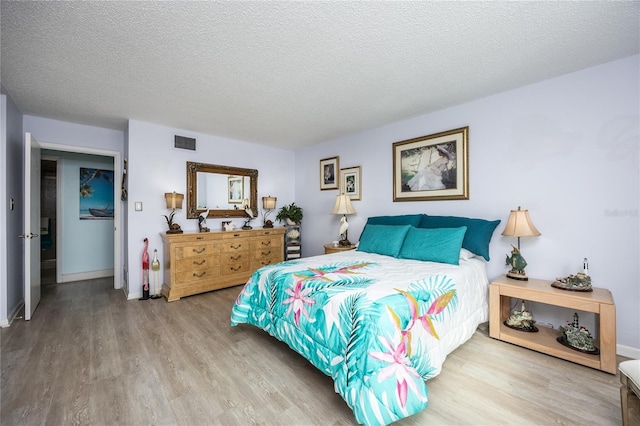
(174, 201)
(343, 206)
(519, 225)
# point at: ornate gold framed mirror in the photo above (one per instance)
(224, 191)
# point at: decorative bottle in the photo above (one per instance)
(585, 266)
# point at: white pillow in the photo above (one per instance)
(466, 254)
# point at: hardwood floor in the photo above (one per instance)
(91, 357)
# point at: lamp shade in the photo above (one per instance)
(269, 203)
(520, 225)
(343, 205)
(174, 200)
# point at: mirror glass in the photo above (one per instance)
(224, 191)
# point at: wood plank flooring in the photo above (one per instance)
(90, 357)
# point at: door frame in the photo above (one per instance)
(117, 213)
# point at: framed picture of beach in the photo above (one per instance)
(96, 194)
(432, 167)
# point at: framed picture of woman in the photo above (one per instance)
(351, 183)
(329, 173)
(235, 189)
(433, 167)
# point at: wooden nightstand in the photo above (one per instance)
(329, 248)
(599, 301)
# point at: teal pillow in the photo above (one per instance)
(477, 237)
(435, 245)
(404, 219)
(383, 239)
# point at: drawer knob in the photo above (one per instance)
(199, 263)
(236, 268)
(199, 275)
(266, 253)
(200, 250)
(237, 247)
(266, 243)
(238, 257)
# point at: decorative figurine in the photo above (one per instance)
(249, 213)
(174, 228)
(293, 234)
(521, 320)
(577, 282)
(227, 225)
(155, 267)
(577, 337)
(202, 221)
(517, 263)
(145, 271)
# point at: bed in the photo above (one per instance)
(379, 320)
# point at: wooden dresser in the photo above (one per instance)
(195, 262)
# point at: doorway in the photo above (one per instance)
(48, 219)
(54, 208)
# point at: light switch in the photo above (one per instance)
(138, 206)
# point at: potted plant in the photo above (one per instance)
(291, 214)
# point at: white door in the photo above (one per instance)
(32, 157)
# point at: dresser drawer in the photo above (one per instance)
(277, 232)
(234, 235)
(259, 263)
(235, 267)
(196, 250)
(235, 246)
(262, 243)
(197, 275)
(235, 256)
(267, 253)
(191, 263)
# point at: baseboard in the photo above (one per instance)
(628, 351)
(90, 275)
(134, 296)
(12, 316)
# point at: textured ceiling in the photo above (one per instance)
(292, 74)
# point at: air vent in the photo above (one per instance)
(183, 142)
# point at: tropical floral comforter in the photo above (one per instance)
(379, 326)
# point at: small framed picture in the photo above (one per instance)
(350, 182)
(235, 189)
(329, 173)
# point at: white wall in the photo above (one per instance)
(566, 149)
(11, 220)
(70, 136)
(65, 133)
(156, 167)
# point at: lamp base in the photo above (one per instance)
(517, 276)
(344, 243)
(268, 224)
(174, 229)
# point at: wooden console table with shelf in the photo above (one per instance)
(599, 301)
